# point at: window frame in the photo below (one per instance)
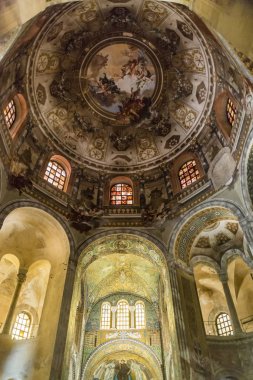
(127, 315)
(102, 327)
(121, 184)
(64, 164)
(17, 323)
(231, 108)
(143, 326)
(10, 113)
(220, 328)
(56, 179)
(21, 111)
(185, 169)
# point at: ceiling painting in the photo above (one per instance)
(111, 81)
(120, 80)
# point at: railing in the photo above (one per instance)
(124, 210)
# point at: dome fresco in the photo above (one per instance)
(121, 87)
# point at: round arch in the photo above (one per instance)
(11, 206)
(124, 347)
(185, 231)
(155, 248)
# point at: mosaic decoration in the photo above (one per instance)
(221, 238)
(194, 226)
(121, 370)
(232, 227)
(203, 242)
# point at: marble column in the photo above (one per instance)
(61, 336)
(21, 279)
(114, 310)
(132, 310)
(180, 325)
(232, 310)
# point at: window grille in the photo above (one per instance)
(223, 324)
(106, 316)
(188, 173)
(55, 175)
(21, 327)
(121, 194)
(139, 315)
(231, 112)
(122, 315)
(10, 113)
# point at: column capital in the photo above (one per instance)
(132, 308)
(223, 277)
(21, 275)
(113, 309)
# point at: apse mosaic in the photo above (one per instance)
(121, 80)
(121, 370)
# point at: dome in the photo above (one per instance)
(115, 89)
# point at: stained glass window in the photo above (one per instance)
(188, 173)
(139, 315)
(10, 113)
(21, 327)
(55, 174)
(231, 112)
(121, 194)
(106, 316)
(223, 324)
(123, 315)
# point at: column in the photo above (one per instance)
(100, 195)
(132, 310)
(61, 336)
(142, 192)
(232, 310)
(21, 279)
(166, 175)
(183, 370)
(114, 310)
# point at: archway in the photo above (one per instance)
(130, 268)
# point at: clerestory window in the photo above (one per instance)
(21, 327)
(223, 325)
(55, 174)
(188, 173)
(121, 194)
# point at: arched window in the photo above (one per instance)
(123, 315)
(14, 112)
(231, 112)
(223, 325)
(10, 113)
(21, 327)
(121, 194)
(188, 173)
(106, 315)
(139, 315)
(55, 174)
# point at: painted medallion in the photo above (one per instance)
(120, 82)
